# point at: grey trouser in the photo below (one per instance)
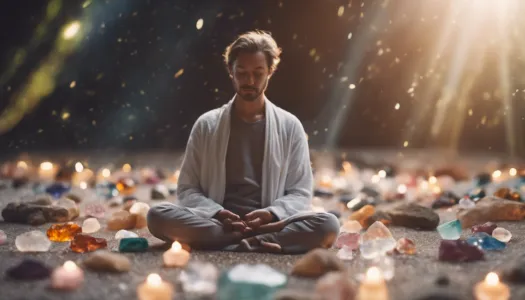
(170, 222)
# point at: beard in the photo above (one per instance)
(249, 93)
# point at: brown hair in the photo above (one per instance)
(252, 42)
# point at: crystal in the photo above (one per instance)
(126, 186)
(377, 240)
(459, 251)
(350, 240)
(29, 269)
(466, 203)
(446, 199)
(335, 286)
(199, 279)
(406, 246)
(384, 263)
(250, 282)
(58, 189)
(133, 245)
(107, 190)
(122, 234)
(71, 207)
(121, 220)
(140, 210)
(63, 232)
(90, 225)
(483, 179)
(345, 253)
(507, 193)
(450, 230)
(363, 214)
(487, 227)
(85, 243)
(500, 233)
(351, 226)
(485, 242)
(477, 194)
(32, 241)
(159, 192)
(414, 216)
(96, 210)
(106, 261)
(492, 209)
(316, 263)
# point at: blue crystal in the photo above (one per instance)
(485, 242)
(39, 188)
(254, 282)
(477, 194)
(133, 245)
(450, 230)
(58, 189)
(107, 190)
(483, 179)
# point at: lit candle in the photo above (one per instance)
(67, 277)
(491, 289)
(176, 256)
(85, 175)
(155, 289)
(47, 171)
(373, 286)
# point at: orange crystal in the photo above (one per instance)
(363, 214)
(63, 232)
(126, 186)
(85, 243)
(508, 194)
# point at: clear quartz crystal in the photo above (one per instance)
(121, 234)
(90, 225)
(376, 241)
(199, 278)
(345, 253)
(32, 241)
(466, 203)
(502, 234)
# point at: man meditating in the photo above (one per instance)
(246, 182)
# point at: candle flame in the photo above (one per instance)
(22, 164)
(513, 172)
(46, 166)
(154, 279)
(402, 189)
(496, 174)
(492, 279)
(374, 275)
(70, 266)
(83, 185)
(347, 166)
(79, 167)
(126, 167)
(376, 178)
(176, 246)
(106, 173)
(432, 180)
(382, 173)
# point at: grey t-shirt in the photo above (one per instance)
(244, 160)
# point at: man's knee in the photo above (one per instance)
(329, 228)
(160, 217)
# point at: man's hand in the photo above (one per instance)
(231, 221)
(258, 218)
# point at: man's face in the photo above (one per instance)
(250, 75)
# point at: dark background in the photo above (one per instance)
(126, 96)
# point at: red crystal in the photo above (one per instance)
(459, 251)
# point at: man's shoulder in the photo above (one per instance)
(209, 118)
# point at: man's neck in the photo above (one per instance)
(249, 111)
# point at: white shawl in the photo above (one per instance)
(287, 179)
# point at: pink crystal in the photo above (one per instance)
(406, 246)
(345, 253)
(96, 210)
(488, 228)
(350, 240)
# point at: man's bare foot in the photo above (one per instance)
(252, 244)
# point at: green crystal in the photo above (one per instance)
(450, 230)
(133, 245)
(250, 282)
